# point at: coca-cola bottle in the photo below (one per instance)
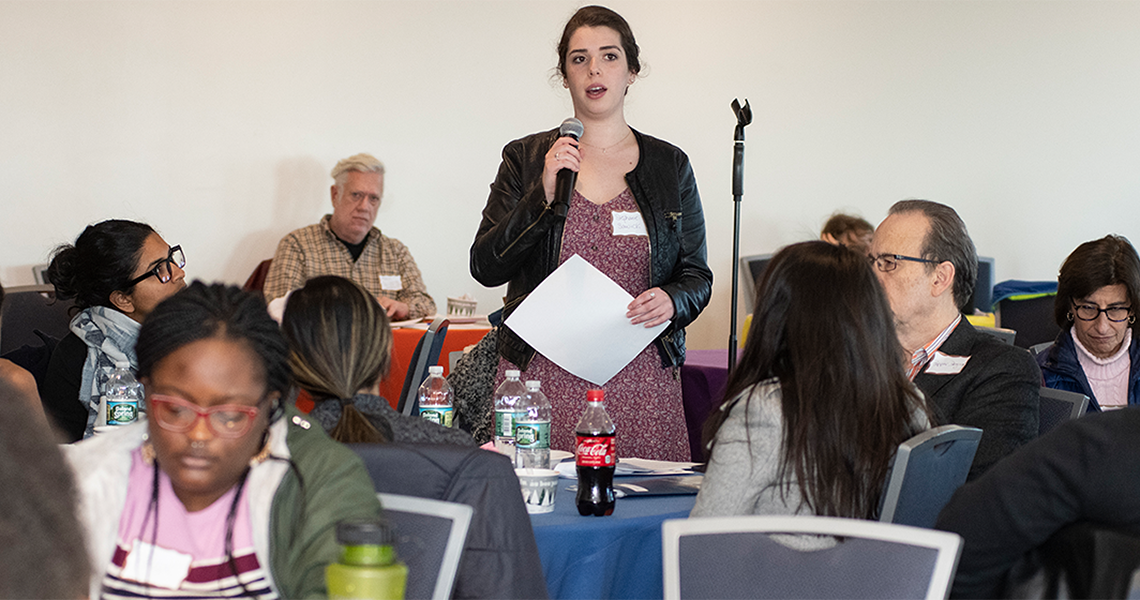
(596, 457)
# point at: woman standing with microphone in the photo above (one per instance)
(634, 213)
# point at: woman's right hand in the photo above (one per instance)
(564, 154)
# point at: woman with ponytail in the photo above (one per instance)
(222, 491)
(340, 345)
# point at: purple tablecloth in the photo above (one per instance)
(703, 378)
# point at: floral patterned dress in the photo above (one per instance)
(644, 398)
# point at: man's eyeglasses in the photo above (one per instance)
(162, 270)
(890, 262)
(1116, 314)
(180, 416)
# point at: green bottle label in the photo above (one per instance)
(440, 415)
(534, 435)
(505, 422)
(122, 413)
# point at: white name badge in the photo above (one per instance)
(628, 223)
(946, 364)
(160, 567)
(391, 283)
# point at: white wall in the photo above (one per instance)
(217, 122)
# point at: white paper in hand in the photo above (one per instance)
(576, 318)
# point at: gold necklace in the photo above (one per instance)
(607, 148)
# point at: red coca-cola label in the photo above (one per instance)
(596, 451)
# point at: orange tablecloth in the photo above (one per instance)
(403, 346)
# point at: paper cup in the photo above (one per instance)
(538, 488)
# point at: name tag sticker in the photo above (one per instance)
(946, 364)
(391, 283)
(153, 565)
(628, 223)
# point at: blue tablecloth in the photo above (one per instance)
(618, 556)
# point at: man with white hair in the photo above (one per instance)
(346, 244)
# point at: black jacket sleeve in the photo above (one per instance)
(60, 393)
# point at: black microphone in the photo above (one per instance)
(564, 184)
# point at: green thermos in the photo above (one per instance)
(368, 567)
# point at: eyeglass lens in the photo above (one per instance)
(1087, 312)
(163, 270)
(223, 421)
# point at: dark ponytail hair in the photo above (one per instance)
(823, 328)
(102, 260)
(340, 342)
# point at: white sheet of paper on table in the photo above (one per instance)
(576, 318)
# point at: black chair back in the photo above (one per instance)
(1058, 406)
(28, 308)
(426, 355)
(926, 470)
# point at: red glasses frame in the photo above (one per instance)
(158, 400)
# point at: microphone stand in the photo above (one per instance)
(743, 118)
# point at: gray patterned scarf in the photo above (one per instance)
(110, 337)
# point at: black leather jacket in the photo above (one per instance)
(520, 237)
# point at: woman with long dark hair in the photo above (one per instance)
(340, 345)
(117, 271)
(222, 491)
(819, 402)
(634, 214)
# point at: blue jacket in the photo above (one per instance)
(1062, 371)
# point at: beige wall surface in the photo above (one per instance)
(217, 122)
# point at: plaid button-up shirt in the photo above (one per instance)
(385, 268)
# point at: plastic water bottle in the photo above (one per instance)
(123, 395)
(507, 399)
(368, 567)
(532, 430)
(435, 398)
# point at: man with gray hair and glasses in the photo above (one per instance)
(347, 244)
(926, 261)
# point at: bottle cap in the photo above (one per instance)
(435, 370)
(364, 532)
(593, 396)
(513, 373)
(533, 386)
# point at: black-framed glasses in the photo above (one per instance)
(890, 262)
(226, 420)
(162, 270)
(1088, 312)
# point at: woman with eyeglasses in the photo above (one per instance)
(1097, 353)
(116, 272)
(819, 401)
(222, 491)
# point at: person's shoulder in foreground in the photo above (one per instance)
(331, 485)
(1085, 469)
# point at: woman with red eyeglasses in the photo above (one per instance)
(222, 491)
(116, 272)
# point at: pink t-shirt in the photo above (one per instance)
(187, 557)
